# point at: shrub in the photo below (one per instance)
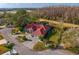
(21, 29)
(15, 31)
(41, 38)
(3, 49)
(21, 38)
(49, 33)
(9, 45)
(70, 38)
(39, 46)
(50, 45)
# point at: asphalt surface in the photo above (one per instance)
(23, 50)
(20, 48)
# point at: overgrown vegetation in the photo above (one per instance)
(21, 38)
(70, 40)
(71, 36)
(15, 31)
(3, 49)
(9, 45)
(39, 46)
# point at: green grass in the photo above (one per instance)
(54, 38)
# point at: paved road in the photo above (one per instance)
(23, 50)
(20, 48)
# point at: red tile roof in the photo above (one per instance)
(38, 29)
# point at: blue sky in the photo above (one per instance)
(34, 5)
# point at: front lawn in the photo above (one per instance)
(54, 38)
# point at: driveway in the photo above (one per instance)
(32, 40)
(23, 50)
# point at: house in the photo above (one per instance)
(36, 29)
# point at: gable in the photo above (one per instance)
(38, 29)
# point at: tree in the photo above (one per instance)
(20, 18)
(21, 12)
(70, 38)
(22, 21)
(23, 18)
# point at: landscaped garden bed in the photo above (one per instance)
(3, 49)
(15, 31)
(39, 46)
(21, 38)
(6, 47)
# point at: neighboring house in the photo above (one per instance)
(36, 29)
